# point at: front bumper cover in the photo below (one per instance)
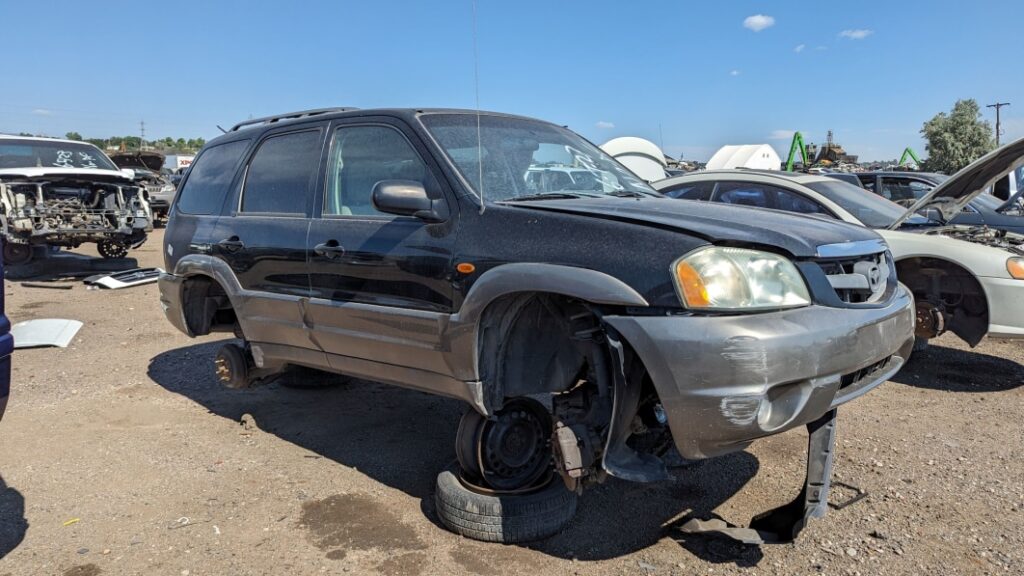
(725, 381)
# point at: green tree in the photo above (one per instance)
(97, 142)
(956, 139)
(180, 143)
(73, 136)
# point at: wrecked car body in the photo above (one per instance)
(148, 168)
(968, 280)
(67, 193)
(426, 255)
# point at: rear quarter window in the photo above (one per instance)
(207, 184)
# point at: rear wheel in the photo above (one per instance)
(111, 248)
(17, 254)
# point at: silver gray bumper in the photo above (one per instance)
(171, 288)
(725, 381)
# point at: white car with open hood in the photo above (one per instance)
(967, 280)
(66, 193)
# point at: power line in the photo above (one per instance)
(997, 106)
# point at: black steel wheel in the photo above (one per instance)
(510, 451)
(16, 254)
(110, 248)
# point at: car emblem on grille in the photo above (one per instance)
(874, 277)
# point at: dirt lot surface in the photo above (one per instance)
(122, 455)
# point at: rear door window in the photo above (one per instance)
(793, 202)
(282, 173)
(691, 191)
(207, 184)
(745, 194)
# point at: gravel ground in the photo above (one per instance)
(122, 455)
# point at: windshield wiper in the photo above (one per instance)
(550, 196)
(626, 194)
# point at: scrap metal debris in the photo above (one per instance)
(45, 332)
(49, 286)
(784, 523)
(128, 278)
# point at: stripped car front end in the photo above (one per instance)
(57, 193)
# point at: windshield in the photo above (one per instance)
(520, 159)
(988, 201)
(872, 210)
(42, 154)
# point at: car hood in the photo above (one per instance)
(950, 197)
(153, 161)
(97, 175)
(798, 235)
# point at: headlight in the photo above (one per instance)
(1015, 266)
(167, 189)
(718, 278)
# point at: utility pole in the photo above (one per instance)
(142, 134)
(997, 106)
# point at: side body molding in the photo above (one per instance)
(462, 338)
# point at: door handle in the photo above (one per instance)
(330, 250)
(232, 244)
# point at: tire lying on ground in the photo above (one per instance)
(506, 518)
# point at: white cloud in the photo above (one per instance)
(605, 125)
(758, 22)
(856, 33)
(799, 48)
(821, 48)
(42, 112)
(781, 134)
(734, 72)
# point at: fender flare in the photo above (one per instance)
(584, 284)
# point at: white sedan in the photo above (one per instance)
(967, 280)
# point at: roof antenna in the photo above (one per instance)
(476, 86)
(221, 129)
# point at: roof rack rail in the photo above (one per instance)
(288, 116)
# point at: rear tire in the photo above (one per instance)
(506, 518)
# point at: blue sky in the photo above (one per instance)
(690, 75)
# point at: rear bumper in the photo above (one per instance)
(1005, 306)
(171, 288)
(725, 381)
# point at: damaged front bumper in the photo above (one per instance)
(726, 381)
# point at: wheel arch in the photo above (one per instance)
(509, 282)
(210, 295)
(972, 325)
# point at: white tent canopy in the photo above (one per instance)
(756, 156)
(642, 157)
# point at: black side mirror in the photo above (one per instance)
(407, 198)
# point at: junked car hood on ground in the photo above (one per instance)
(796, 234)
(950, 197)
(49, 173)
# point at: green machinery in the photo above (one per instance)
(909, 153)
(797, 147)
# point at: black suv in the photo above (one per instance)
(590, 324)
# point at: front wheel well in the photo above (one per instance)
(944, 287)
(207, 307)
